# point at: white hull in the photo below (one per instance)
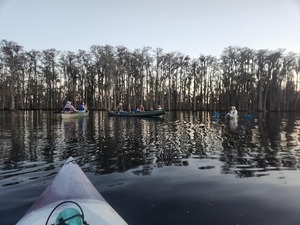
(74, 115)
(71, 184)
(234, 117)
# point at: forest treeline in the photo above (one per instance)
(252, 80)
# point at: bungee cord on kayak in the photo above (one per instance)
(69, 214)
(69, 195)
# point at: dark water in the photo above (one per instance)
(186, 168)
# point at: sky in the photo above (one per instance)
(192, 27)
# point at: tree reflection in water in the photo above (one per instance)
(246, 147)
(256, 148)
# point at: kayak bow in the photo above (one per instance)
(71, 199)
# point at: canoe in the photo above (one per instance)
(74, 115)
(153, 113)
(72, 200)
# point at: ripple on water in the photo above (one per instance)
(25, 172)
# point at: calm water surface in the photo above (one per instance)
(185, 168)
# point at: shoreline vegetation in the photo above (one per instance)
(103, 76)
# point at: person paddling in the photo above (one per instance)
(232, 112)
(82, 107)
(69, 108)
(120, 107)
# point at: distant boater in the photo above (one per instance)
(233, 112)
(69, 108)
(82, 107)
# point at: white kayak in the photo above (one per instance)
(74, 115)
(232, 116)
(71, 199)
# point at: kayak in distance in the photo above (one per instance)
(232, 117)
(71, 199)
(74, 115)
(152, 113)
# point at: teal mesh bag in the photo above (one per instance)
(69, 216)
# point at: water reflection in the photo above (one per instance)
(233, 124)
(35, 141)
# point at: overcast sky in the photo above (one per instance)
(192, 27)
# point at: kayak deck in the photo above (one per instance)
(71, 184)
